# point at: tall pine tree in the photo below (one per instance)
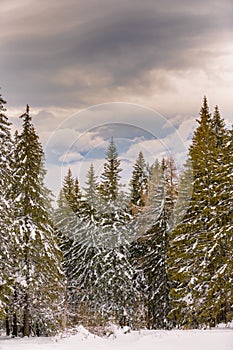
(198, 255)
(139, 183)
(6, 237)
(115, 292)
(154, 227)
(39, 279)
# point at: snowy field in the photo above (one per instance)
(218, 339)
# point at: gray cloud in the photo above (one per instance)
(76, 53)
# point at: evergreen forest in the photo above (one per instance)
(157, 255)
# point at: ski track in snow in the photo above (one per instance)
(218, 339)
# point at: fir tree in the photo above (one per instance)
(82, 248)
(6, 237)
(72, 192)
(67, 215)
(180, 258)
(39, 276)
(114, 287)
(110, 178)
(217, 275)
(91, 195)
(154, 227)
(68, 223)
(91, 212)
(138, 183)
(194, 226)
(201, 285)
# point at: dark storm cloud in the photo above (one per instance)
(80, 52)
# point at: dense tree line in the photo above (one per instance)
(157, 255)
(160, 255)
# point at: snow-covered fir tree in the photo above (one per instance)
(110, 183)
(68, 223)
(97, 262)
(79, 257)
(6, 218)
(179, 262)
(217, 275)
(153, 223)
(72, 192)
(38, 287)
(139, 184)
(115, 294)
(199, 246)
(67, 216)
(193, 229)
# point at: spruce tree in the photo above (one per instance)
(207, 157)
(180, 258)
(6, 237)
(197, 255)
(39, 284)
(79, 243)
(67, 216)
(72, 192)
(84, 247)
(68, 223)
(217, 272)
(90, 213)
(138, 183)
(6, 147)
(69, 207)
(154, 226)
(195, 224)
(110, 178)
(91, 195)
(114, 286)
(97, 261)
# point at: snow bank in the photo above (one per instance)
(218, 339)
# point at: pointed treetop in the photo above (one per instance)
(216, 109)
(26, 115)
(217, 120)
(205, 102)
(91, 178)
(110, 177)
(204, 113)
(111, 150)
(91, 194)
(140, 155)
(216, 116)
(219, 127)
(139, 182)
(69, 173)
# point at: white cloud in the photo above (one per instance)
(89, 140)
(70, 157)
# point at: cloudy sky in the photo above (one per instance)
(144, 66)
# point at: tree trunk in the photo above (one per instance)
(149, 315)
(14, 326)
(7, 324)
(65, 313)
(26, 325)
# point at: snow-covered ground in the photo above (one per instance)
(217, 339)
